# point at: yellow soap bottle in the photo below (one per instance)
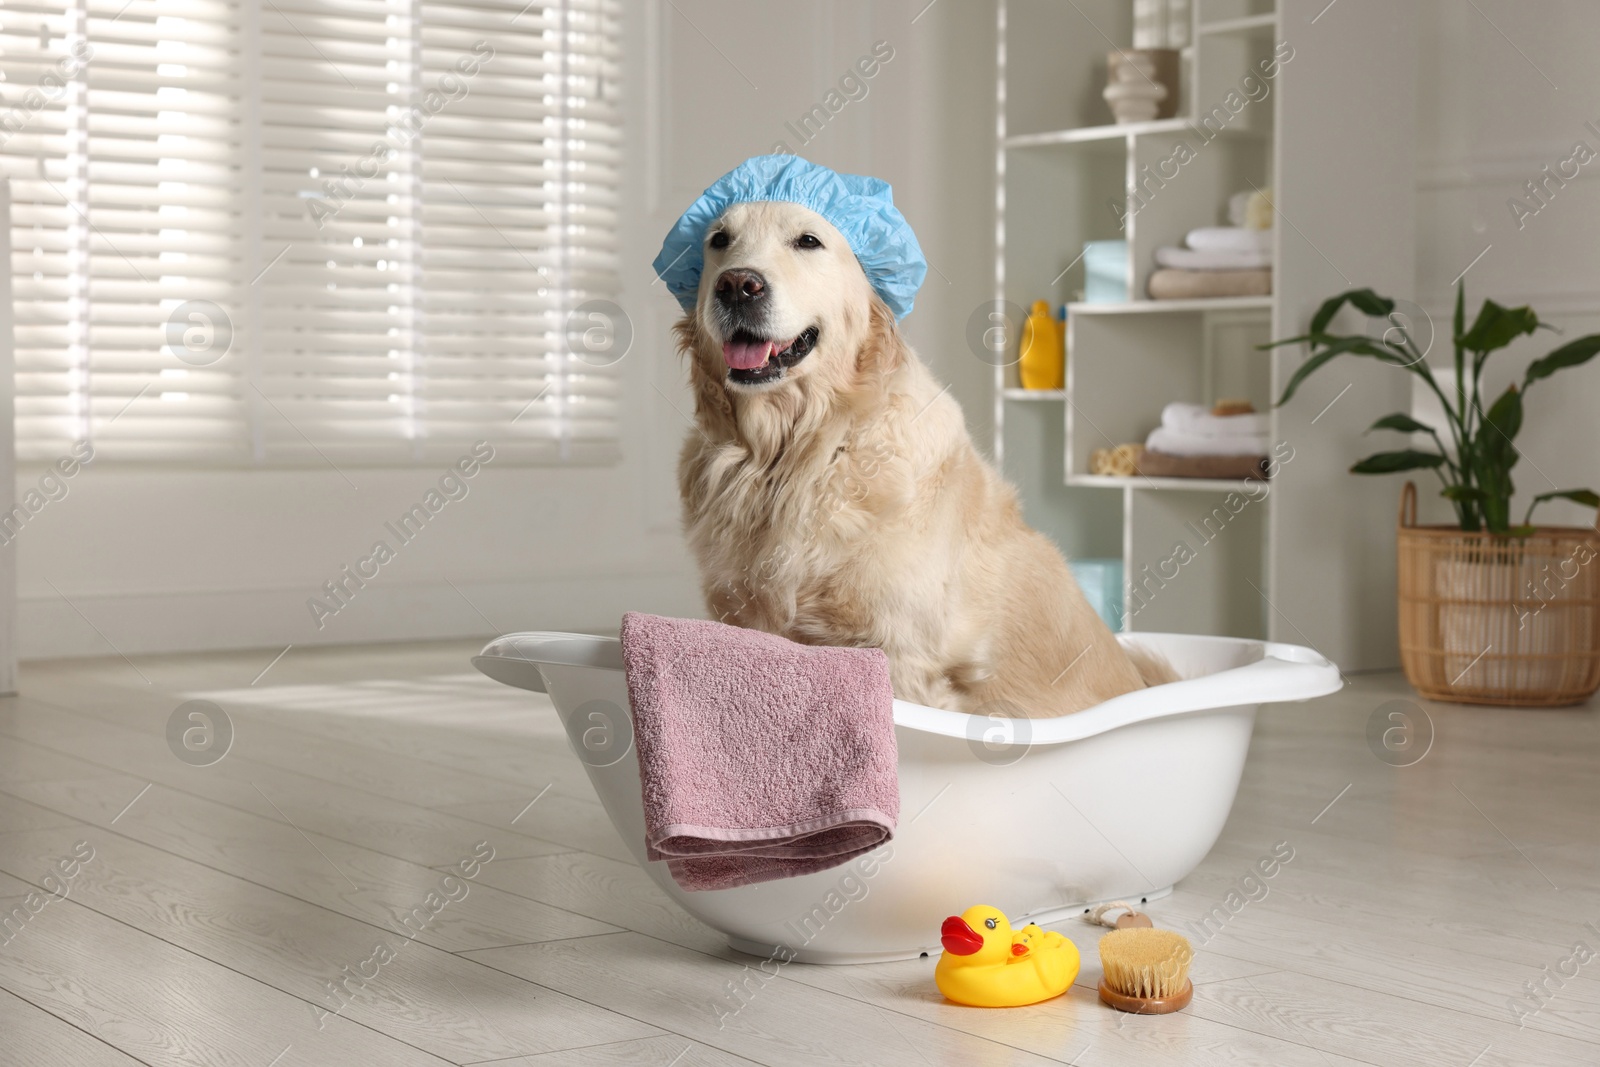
(1043, 361)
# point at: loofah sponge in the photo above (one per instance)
(1121, 461)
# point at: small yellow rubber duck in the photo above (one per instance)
(988, 965)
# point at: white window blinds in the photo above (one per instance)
(313, 231)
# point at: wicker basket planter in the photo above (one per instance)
(1496, 620)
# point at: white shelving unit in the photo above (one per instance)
(1299, 561)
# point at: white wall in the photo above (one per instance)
(1344, 167)
(143, 559)
(1496, 103)
(155, 559)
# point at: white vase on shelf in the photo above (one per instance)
(1134, 94)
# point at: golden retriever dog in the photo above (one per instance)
(832, 495)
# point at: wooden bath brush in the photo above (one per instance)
(1144, 971)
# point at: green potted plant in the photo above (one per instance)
(1490, 611)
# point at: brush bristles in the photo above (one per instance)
(1145, 963)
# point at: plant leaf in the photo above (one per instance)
(1522, 531)
(1568, 355)
(1494, 455)
(1462, 492)
(1461, 308)
(1312, 339)
(1503, 421)
(1461, 414)
(1496, 327)
(1587, 497)
(1391, 462)
(1365, 300)
(1370, 303)
(1358, 346)
(1403, 423)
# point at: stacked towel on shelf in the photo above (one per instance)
(1226, 442)
(1229, 239)
(1220, 261)
(1172, 284)
(1174, 443)
(1213, 259)
(1191, 430)
(1197, 420)
(1105, 272)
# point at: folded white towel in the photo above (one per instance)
(1229, 239)
(1174, 443)
(1191, 259)
(1197, 421)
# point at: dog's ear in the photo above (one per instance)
(713, 408)
(883, 350)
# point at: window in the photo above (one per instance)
(313, 231)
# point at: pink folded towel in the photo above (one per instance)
(759, 758)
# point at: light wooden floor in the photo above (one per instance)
(221, 902)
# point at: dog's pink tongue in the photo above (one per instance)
(746, 355)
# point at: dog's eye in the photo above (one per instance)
(719, 239)
(807, 240)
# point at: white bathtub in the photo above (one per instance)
(1039, 818)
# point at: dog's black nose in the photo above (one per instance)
(736, 287)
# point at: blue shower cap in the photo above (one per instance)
(862, 209)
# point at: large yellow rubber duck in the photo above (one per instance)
(988, 965)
